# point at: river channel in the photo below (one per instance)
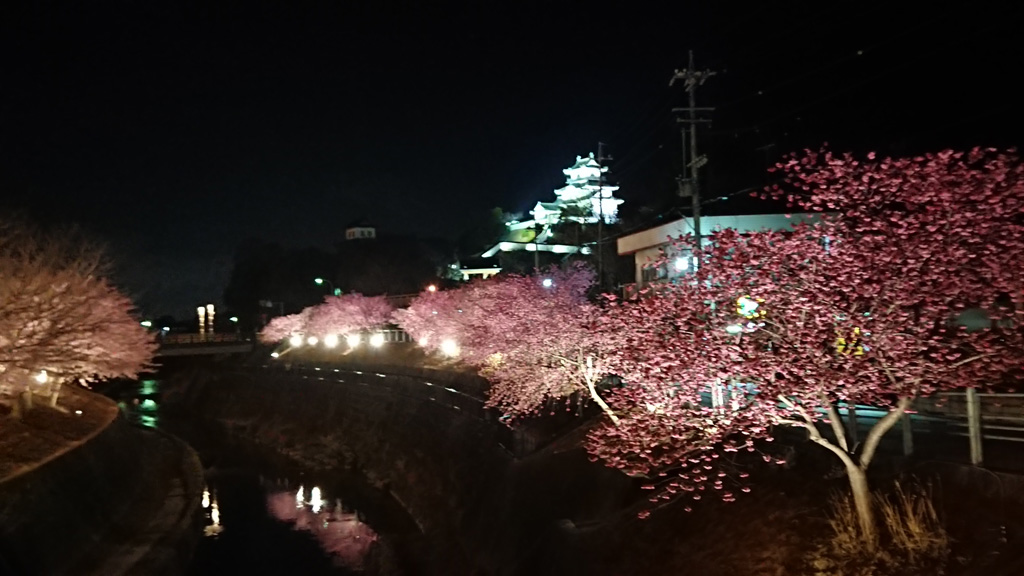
(265, 515)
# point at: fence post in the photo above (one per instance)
(974, 425)
(717, 395)
(908, 435)
(851, 411)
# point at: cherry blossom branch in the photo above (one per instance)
(880, 428)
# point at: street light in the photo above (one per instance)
(146, 324)
(547, 283)
(431, 288)
(321, 281)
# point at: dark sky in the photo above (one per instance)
(175, 130)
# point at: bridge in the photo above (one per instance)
(202, 344)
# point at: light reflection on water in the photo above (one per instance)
(143, 407)
(340, 532)
(299, 529)
(213, 526)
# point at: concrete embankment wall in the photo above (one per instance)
(432, 447)
(102, 508)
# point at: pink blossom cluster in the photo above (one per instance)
(337, 315)
(58, 314)
(862, 307)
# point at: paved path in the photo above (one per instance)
(157, 532)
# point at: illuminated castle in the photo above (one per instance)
(585, 198)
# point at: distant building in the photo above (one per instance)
(586, 198)
(360, 229)
(651, 245)
(474, 268)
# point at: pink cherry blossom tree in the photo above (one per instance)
(347, 313)
(539, 338)
(434, 317)
(60, 320)
(535, 338)
(337, 315)
(859, 308)
(282, 327)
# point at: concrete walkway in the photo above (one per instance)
(160, 526)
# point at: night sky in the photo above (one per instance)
(174, 131)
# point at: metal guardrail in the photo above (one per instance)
(394, 335)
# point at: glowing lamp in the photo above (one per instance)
(312, 340)
(547, 283)
(295, 340)
(234, 319)
(424, 341)
(431, 288)
(352, 340)
(377, 340)
(41, 377)
(449, 348)
(146, 324)
(319, 281)
(314, 499)
(209, 317)
(274, 354)
(681, 264)
(331, 340)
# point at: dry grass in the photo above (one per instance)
(44, 433)
(911, 540)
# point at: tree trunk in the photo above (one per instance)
(862, 503)
(23, 403)
(54, 394)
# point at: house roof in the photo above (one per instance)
(360, 223)
(659, 235)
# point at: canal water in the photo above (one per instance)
(264, 515)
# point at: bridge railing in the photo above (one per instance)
(196, 338)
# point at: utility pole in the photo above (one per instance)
(689, 182)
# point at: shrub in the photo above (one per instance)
(911, 539)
